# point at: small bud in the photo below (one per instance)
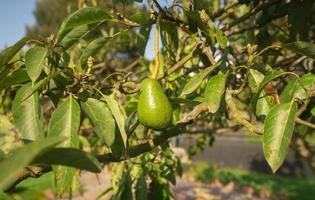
(90, 62)
(251, 49)
(204, 17)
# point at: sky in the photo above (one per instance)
(15, 15)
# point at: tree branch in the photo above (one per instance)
(254, 26)
(133, 151)
(249, 14)
(235, 115)
(178, 65)
(225, 9)
(305, 123)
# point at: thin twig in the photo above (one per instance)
(305, 123)
(224, 10)
(178, 65)
(249, 14)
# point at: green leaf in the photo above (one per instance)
(120, 121)
(143, 38)
(169, 37)
(14, 79)
(278, 129)
(88, 15)
(65, 122)
(118, 115)
(92, 49)
(38, 85)
(270, 77)
(264, 102)
(2, 155)
(35, 61)
(141, 188)
(124, 191)
(221, 38)
(76, 34)
(11, 167)
(140, 17)
(159, 191)
(70, 157)
(304, 48)
(26, 114)
(7, 54)
(294, 89)
(194, 82)
(1, 97)
(214, 91)
(5, 196)
(313, 111)
(102, 119)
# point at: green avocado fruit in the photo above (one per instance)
(154, 109)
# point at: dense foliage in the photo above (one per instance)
(72, 97)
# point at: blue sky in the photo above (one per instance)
(16, 14)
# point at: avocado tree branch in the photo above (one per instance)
(178, 65)
(305, 123)
(237, 116)
(255, 26)
(32, 171)
(224, 10)
(179, 128)
(158, 5)
(251, 13)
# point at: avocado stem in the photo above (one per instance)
(156, 49)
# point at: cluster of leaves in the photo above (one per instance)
(211, 76)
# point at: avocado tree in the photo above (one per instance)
(86, 97)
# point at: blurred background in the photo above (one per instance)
(232, 166)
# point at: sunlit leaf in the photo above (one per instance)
(102, 119)
(267, 79)
(118, 115)
(264, 102)
(76, 34)
(294, 89)
(88, 15)
(35, 61)
(214, 91)
(194, 82)
(221, 38)
(27, 114)
(278, 129)
(65, 122)
(12, 166)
